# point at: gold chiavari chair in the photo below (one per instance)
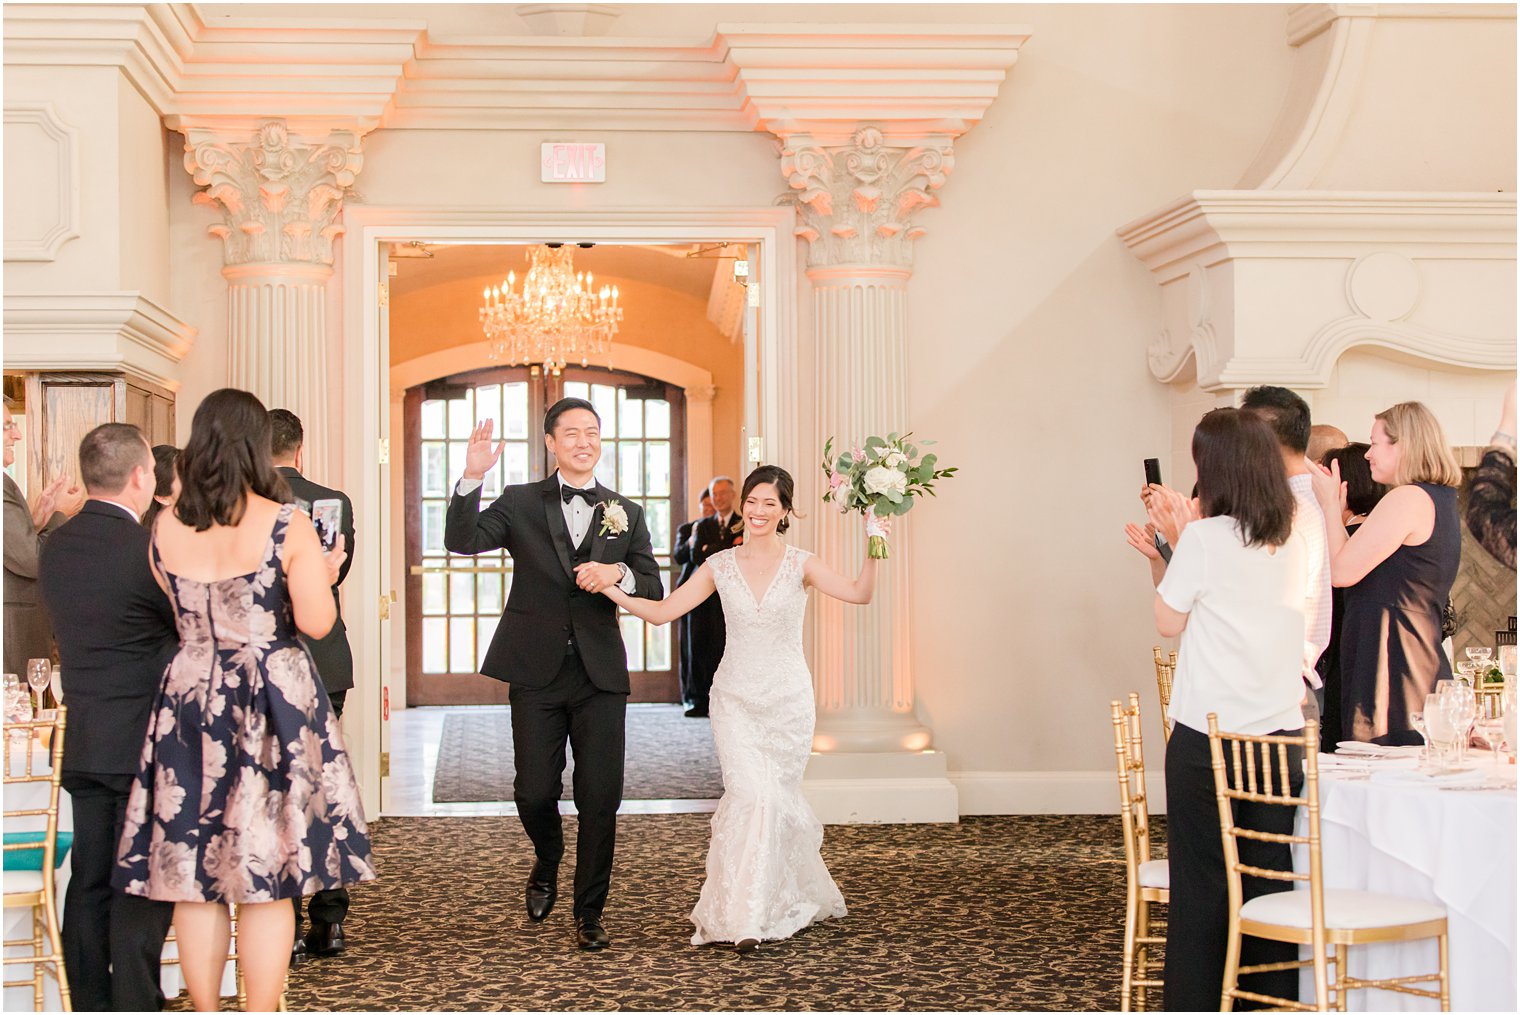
(1320, 917)
(24, 887)
(1145, 880)
(232, 956)
(1490, 701)
(1166, 668)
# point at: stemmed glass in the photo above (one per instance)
(38, 673)
(1467, 671)
(1440, 730)
(1480, 654)
(1460, 703)
(56, 685)
(1417, 723)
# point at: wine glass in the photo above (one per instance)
(38, 673)
(56, 685)
(1441, 731)
(1492, 729)
(1417, 723)
(1461, 703)
(1466, 672)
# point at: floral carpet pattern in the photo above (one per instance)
(995, 913)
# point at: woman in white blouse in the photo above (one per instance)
(1234, 591)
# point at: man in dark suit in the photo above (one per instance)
(116, 634)
(723, 531)
(683, 557)
(559, 645)
(334, 659)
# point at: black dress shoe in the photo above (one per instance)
(543, 889)
(298, 953)
(325, 938)
(590, 936)
(747, 945)
(697, 712)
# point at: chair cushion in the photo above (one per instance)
(23, 881)
(31, 859)
(1155, 874)
(1345, 909)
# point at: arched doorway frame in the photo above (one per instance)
(772, 409)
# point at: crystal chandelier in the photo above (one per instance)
(558, 317)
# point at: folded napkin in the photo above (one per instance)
(1358, 748)
(1416, 777)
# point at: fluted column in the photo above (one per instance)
(280, 201)
(855, 203)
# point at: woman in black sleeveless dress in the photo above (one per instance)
(1397, 572)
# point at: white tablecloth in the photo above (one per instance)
(1450, 846)
(27, 796)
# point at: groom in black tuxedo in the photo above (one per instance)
(559, 644)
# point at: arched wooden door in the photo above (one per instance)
(453, 602)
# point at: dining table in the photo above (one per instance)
(34, 796)
(1390, 824)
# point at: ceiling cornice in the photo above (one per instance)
(359, 74)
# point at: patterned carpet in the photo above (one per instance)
(669, 757)
(1002, 913)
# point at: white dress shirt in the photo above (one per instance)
(1309, 525)
(578, 515)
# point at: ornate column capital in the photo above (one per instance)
(701, 393)
(857, 201)
(279, 197)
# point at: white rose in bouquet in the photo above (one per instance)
(894, 459)
(879, 480)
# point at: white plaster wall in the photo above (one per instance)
(1367, 381)
(143, 185)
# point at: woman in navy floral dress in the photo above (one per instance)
(245, 794)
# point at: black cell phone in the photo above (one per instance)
(1153, 477)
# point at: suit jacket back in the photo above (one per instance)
(116, 634)
(332, 654)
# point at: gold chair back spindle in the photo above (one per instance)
(1263, 775)
(1145, 881)
(1166, 669)
(42, 899)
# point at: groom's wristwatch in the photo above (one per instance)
(623, 573)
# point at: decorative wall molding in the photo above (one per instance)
(279, 198)
(857, 201)
(1334, 43)
(358, 74)
(114, 331)
(44, 118)
(695, 380)
(1274, 286)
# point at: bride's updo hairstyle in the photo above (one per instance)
(782, 481)
(226, 458)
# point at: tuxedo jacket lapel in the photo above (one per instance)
(599, 538)
(554, 516)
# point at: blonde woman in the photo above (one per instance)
(1397, 571)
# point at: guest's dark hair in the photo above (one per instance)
(1285, 413)
(1240, 474)
(563, 406)
(226, 459)
(108, 454)
(164, 457)
(1362, 491)
(286, 435)
(782, 481)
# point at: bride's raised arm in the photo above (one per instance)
(674, 606)
(831, 583)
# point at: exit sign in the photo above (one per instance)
(573, 162)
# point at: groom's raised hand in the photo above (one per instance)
(480, 455)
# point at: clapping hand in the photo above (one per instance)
(1328, 488)
(334, 559)
(58, 495)
(480, 455)
(1170, 512)
(1143, 540)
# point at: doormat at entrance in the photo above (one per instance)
(667, 757)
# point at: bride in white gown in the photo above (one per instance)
(765, 876)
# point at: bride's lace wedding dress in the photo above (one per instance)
(765, 877)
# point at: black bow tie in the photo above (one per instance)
(569, 493)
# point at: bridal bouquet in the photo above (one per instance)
(879, 479)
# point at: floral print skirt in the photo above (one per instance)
(244, 793)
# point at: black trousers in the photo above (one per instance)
(112, 942)
(328, 906)
(571, 708)
(1198, 916)
(707, 633)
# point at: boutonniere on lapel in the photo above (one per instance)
(614, 519)
(736, 528)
